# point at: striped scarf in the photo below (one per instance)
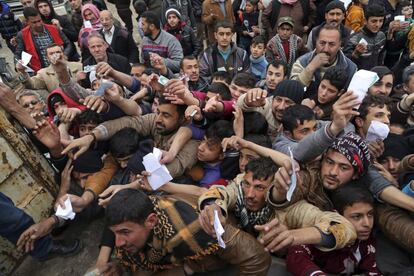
(293, 44)
(248, 218)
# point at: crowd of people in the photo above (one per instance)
(248, 102)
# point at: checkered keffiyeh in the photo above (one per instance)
(354, 148)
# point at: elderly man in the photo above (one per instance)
(119, 39)
(36, 37)
(310, 68)
(46, 77)
(31, 101)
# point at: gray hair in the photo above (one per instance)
(407, 73)
(28, 92)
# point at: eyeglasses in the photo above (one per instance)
(32, 103)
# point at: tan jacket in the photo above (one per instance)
(266, 111)
(98, 182)
(301, 214)
(46, 77)
(211, 7)
(145, 125)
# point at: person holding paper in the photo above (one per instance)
(46, 78)
(373, 108)
(148, 226)
(310, 68)
(35, 239)
(36, 37)
(367, 47)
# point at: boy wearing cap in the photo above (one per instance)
(367, 47)
(183, 32)
(334, 15)
(285, 45)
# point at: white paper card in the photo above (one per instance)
(26, 57)
(377, 131)
(66, 213)
(293, 178)
(87, 24)
(399, 18)
(218, 228)
(363, 42)
(105, 84)
(346, 2)
(159, 173)
(361, 81)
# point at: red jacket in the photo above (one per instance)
(31, 48)
(69, 102)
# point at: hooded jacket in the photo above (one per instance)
(188, 39)
(69, 102)
(67, 28)
(9, 24)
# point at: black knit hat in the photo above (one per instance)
(291, 89)
(336, 4)
(354, 148)
(395, 146)
(89, 162)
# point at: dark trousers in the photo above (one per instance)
(13, 222)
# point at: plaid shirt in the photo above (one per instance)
(42, 40)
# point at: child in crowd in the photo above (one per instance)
(332, 85)
(140, 7)
(247, 24)
(356, 204)
(221, 76)
(285, 45)
(355, 19)
(258, 62)
(183, 32)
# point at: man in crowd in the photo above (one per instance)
(46, 77)
(224, 55)
(310, 68)
(36, 37)
(119, 39)
(158, 45)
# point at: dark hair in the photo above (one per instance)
(244, 80)
(224, 24)
(277, 64)
(151, 18)
(125, 142)
(374, 10)
(88, 116)
(219, 130)
(382, 71)
(180, 107)
(30, 11)
(336, 77)
(253, 2)
(255, 123)
(262, 168)
(189, 57)
(259, 139)
(295, 115)
(138, 65)
(128, 205)
(407, 73)
(222, 75)
(221, 89)
(258, 39)
(404, 3)
(140, 7)
(372, 101)
(349, 194)
(53, 45)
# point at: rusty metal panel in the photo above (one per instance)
(26, 177)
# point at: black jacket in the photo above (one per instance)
(123, 44)
(117, 62)
(9, 26)
(189, 42)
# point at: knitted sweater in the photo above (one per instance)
(258, 67)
